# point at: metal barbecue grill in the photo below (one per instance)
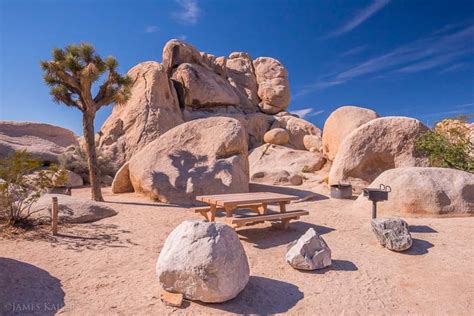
(377, 195)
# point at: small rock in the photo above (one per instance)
(277, 136)
(392, 233)
(171, 299)
(309, 252)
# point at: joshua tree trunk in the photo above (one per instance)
(94, 176)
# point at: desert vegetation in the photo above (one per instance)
(23, 181)
(71, 75)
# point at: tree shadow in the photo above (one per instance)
(419, 247)
(197, 176)
(26, 289)
(258, 187)
(262, 296)
(268, 237)
(421, 229)
(336, 265)
(80, 237)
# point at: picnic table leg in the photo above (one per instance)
(283, 207)
(262, 209)
(213, 210)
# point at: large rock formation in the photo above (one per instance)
(298, 129)
(72, 209)
(242, 76)
(273, 85)
(177, 52)
(425, 192)
(374, 147)
(204, 261)
(45, 142)
(205, 156)
(340, 123)
(199, 87)
(151, 110)
(279, 165)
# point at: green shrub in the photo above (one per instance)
(22, 182)
(75, 160)
(448, 145)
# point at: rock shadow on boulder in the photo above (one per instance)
(26, 289)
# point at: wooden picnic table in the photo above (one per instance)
(255, 201)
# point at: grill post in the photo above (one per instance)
(374, 209)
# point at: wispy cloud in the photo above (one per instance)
(354, 51)
(182, 37)
(435, 50)
(151, 29)
(189, 13)
(452, 68)
(359, 18)
(308, 112)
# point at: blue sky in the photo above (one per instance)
(412, 58)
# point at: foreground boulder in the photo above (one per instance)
(72, 209)
(43, 141)
(298, 129)
(392, 233)
(309, 252)
(273, 85)
(425, 192)
(204, 261)
(278, 165)
(152, 110)
(340, 123)
(381, 144)
(204, 156)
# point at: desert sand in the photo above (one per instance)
(108, 267)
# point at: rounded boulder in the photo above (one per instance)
(204, 261)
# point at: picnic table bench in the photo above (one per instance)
(255, 201)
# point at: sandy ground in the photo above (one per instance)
(108, 267)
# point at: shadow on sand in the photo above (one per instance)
(419, 247)
(26, 289)
(267, 237)
(262, 296)
(421, 229)
(336, 265)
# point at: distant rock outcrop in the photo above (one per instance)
(340, 123)
(151, 110)
(273, 85)
(279, 165)
(297, 129)
(206, 156)
(378, 145)
(43, 141)
(420, 191)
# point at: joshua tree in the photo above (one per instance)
(71, 75)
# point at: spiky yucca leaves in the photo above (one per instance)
(71, 75)
(72, 72)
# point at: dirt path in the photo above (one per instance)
(108, 267)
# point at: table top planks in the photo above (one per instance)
(245, 198)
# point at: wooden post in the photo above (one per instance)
(54, 216)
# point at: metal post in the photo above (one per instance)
(54, 216)
(374, 209)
